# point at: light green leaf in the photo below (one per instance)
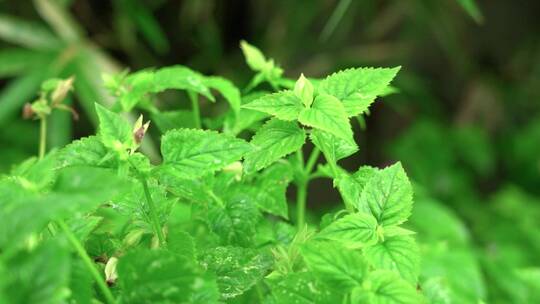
(358, 88)
(155, 276)
(276, 139)
(388, 196)
(384, 287)
(139, 85)
(237, 269)
(358, 229)
(334, 148)
(284, 105)
(17, 61)
(114, 131)
(399, 254)
(336, 266)
(303, 89)
(191, 153)
(254, 57)
(328, 114)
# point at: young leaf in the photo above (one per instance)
(388, 196)
(284, 105)
(254, 57)
(357, 88)
(334, 148)
(191, 153)
(114, 131)
(384, 287)
(336, 266)
(181, 78)
(303, 89)
(276, 139)
(399, 254)
(358, 229)
(237, 269)
(328, 114)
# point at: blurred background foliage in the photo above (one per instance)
(465, 121)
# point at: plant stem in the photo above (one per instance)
(312, 160)
(195, 109)
(153, 212)
(301, 203)
(42, 136)
(88, 262)
(301, 196)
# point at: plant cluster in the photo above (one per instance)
(96, 220)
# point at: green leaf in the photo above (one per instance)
(276, 139)
(350, 186)
(181, 78)
(336, 266)
(383, 287)
(236, 220)
(237, 269)
(388, 196)
(302, 288)
(155, 276)
(227, 89)
(358, 229)
(170, 120)
(399, 254)
(328, 114)
(472, 9)
(334, 148)
(270, 189)
(303, 89)
(114, 131)
(40, 275)
(17, 61)
(139, 85)
(254, 57)
(191, 153)
(87, 151)
(284, 105)
(81, 283)
(358, 88)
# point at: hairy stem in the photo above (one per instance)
(42, 136)
(87, 262)
(195, 109)
(153, 212)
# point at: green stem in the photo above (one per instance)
(301, 197)
(195, 109)
(153, 212)
(42, 136)
(312, 160)
(88, 262)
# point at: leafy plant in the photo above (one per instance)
(96, 220)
